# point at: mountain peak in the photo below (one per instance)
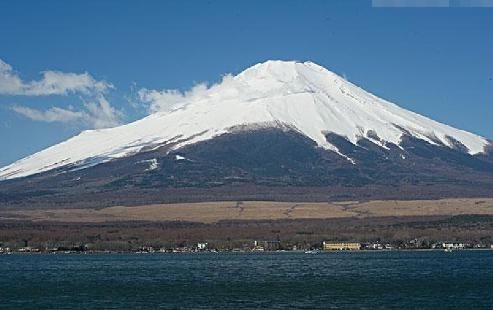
(275, 65)
(298, 95)
(283, 70)
(278, 78)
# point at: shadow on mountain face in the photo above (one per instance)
(264, 164)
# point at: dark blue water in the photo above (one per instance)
(369, 280)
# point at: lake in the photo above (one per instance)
(368, 280)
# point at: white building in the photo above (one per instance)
(201, 246)
(453, 246)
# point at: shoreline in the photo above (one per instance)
(239, 252)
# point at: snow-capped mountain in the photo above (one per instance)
(300, 97)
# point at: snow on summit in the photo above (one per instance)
(298, 95)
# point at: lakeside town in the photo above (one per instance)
(257, 246)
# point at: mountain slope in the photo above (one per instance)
(261, 164)
(289, 96)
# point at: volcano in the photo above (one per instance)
(278, 129)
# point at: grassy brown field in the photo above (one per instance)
(233, 224)
(213, 212)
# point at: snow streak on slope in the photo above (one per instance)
(301, 96)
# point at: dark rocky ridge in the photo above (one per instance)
(263, 164)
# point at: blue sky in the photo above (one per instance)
(73, 65)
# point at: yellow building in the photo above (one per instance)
(341, 246)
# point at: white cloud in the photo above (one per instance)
(51, 115)
(96, 114)
(51, 83)
(96, 111)
(172, 99)
(9, 81)
(100, 114)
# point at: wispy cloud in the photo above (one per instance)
(95, 111)
(169, 99)
(96, 114)
(51, 115)
(51, 83)
(100, 114)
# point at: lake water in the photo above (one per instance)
(364, 280)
